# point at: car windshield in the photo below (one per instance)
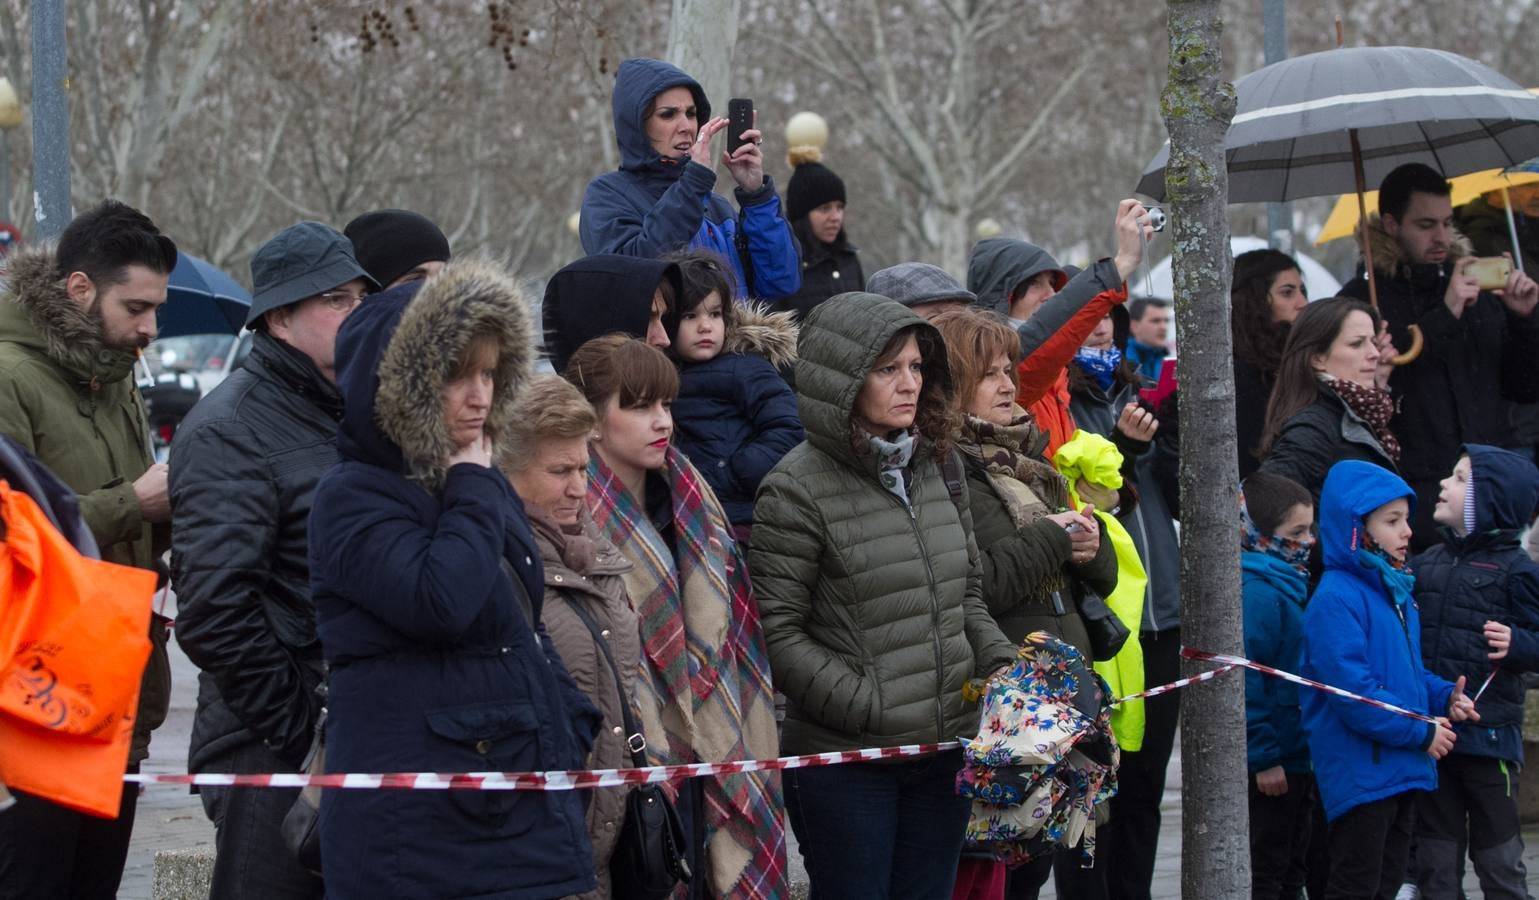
(189, 352)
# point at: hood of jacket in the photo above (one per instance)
(50, 322)
(598, 295)
(398, 350)
(1506, 489)
(840, 342)
(636, 83)
(999, 264)
(1389, 257)
(771, 335)
(1352, 490)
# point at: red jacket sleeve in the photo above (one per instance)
(1038, 372)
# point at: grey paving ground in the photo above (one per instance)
(170, 818)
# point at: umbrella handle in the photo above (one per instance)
(1411, 352)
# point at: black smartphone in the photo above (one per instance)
(739, 120)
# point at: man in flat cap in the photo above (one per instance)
(244, 465)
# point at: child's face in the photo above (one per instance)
(1298, 524)
(1450, 497)
(701, 330)
(1390, 527)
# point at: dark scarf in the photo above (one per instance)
(1372, 405)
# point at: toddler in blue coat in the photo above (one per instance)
(1362, 633)
(735, 417)
(1276, 534)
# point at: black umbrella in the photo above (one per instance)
(1328, 122)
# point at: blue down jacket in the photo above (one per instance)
(1465, 581)
(655, 205)
(1274, 635)
(428, 586)
(1360, 636)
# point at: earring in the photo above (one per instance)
(595, 437)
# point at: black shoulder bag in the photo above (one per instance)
(648, 860)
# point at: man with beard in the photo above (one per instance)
(72, 322)
(245, 464)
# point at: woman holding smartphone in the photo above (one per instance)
(661, 198)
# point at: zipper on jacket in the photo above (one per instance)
(929, 571)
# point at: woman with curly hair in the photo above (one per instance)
(870, 588)
(1267, 294)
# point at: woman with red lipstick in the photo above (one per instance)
(870, 586)
(704, 693)
(1330, 401)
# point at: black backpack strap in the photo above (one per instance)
(954, 476)
(635, 741)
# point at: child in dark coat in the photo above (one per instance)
(1479, 598)
(1362, 633)
(1276, 534)
(735, 417)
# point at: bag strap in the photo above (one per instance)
(635, 741)
(952, 474)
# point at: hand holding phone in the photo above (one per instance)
(739, 120)
(1490, 271)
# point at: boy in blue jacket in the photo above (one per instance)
(1479, 596)
(1362, 633)
(1276, 534)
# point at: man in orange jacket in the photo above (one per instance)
(1053, 313)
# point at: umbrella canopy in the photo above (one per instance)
(1319, 283)
(1342, 221)
(1289, 138)
(201, 299)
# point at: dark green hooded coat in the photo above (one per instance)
(873, 611)
(72, 402)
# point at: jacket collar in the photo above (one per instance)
(573, 556)
(36, 312)
(294, 370)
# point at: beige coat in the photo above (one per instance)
(585, 568)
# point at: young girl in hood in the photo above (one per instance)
(1276, 534)
(735, 417)
(1362, 632)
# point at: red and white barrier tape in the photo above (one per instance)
(594, 778)
(1190, 653)
(544, 781)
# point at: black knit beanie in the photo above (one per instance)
(812, 184)
(391, 242)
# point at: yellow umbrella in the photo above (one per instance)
(1466, 188)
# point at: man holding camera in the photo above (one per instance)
(1479, 346)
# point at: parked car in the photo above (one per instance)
(180, 370)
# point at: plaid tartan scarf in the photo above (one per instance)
(707, 694)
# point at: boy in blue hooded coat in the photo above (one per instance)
(660, 201)
(1362, 633)
(1479, 595)
(1276, 534)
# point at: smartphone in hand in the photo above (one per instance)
(739, 120)
(1491, 271)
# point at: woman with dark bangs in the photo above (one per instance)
(871, 590)
(705, 694)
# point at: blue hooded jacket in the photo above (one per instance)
(428, 586)
(656, 205)
(1274, 595)
(1361, 635)
(1485, 575)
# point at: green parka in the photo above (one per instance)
(73, 403)
(872, 611)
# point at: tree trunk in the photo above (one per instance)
(1197, 105)
(701, 36)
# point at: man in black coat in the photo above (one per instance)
(245, 464)
(1480, 346)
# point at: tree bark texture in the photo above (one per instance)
(701, 37)
(1197, 105)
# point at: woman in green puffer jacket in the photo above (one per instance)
(869, 588)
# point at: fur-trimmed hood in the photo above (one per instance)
(771, 335)
(1388, 257)
(398, 350)
(59, 327)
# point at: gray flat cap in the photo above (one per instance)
(298, 262)
(911, 283)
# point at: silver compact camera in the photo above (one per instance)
(1157, 218)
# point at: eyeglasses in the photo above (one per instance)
(340, 301)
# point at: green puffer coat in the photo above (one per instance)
(873, 612)
(72, 402)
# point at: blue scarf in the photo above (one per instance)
(1100, 365)
(892, 458)
(1396, 574)
(1294, 553)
